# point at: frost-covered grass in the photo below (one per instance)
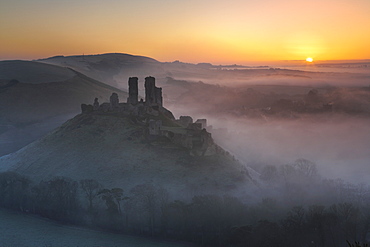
(21, 230)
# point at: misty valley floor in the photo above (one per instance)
(18, 229)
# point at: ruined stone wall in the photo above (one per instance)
(202, 122)
(185, 121)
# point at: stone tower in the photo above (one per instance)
(133, 90)
(153, 94)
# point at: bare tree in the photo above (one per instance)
(145, 197)
(306, 168)
(57, 198)
(163, 198)
(91, 188)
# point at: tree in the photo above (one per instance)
(113, 198)
(316, 220)
(145, 199)
(57, 198)
(117, 194)
(91, 188)
(306, 168)
(356, 244)
(14, 190)
(295, 219)
(107, 196)
(163, 199)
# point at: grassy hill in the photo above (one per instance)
(33, 72)
(111, 68)
(117, 153)
(36, 98)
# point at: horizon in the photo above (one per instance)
(218, 32)
(302, 62)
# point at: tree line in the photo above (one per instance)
(208, 220)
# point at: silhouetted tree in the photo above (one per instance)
(91, 189)
(145, 198)
(57, 198)
(117, 194)
(163, 200)
(316, 220)
(306, 169)
(14, 190)
(107, 196)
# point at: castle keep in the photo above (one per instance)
(159, 121)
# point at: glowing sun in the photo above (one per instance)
(309, 59)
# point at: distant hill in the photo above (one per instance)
(117, 152)
(115, 68)
(33, 72)
(36, 98)
(111, 68)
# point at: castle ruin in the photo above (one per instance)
(159, 121)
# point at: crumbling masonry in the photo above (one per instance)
(188, 134)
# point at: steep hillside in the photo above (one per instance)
(36, 98)
(117, 152)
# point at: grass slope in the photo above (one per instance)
(22, 230)
(115, 152)
(33, 72)
(44, 97)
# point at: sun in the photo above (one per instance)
(309, 59)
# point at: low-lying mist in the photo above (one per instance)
(276, 124)
(339, 146)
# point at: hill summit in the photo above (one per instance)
(128, 144)
(160, 122)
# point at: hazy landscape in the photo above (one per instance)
(205, 123)
(284, 149)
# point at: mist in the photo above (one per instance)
(262, 121)
(288, 140)
(338, 146)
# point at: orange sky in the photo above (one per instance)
(217, 31)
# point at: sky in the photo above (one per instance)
(217, 31)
